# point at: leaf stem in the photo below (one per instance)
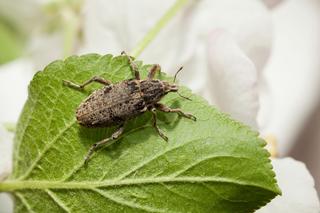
(162, 22)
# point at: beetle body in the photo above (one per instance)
(114, 104)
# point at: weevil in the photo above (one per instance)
(114, 104)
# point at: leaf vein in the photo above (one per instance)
(125, 203)
(147, 161)
(24, 201)
(46, 148)
(57, 201)
(204, 159)
(25, 127)
(182, 195)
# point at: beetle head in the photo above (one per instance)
(172, 87)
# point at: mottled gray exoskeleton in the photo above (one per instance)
(114, 104)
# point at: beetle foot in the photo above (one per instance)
(90, 152)
(190, 116)
(163, 136)
(72, 85)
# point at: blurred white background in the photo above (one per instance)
(256, 60)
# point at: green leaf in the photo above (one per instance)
(212, 165)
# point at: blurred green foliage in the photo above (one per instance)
(11, 42)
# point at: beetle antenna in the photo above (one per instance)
(175, 75)
(184, 96)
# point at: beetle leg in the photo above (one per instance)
(97, 79)
(133, 66)
(155, 68)
(114, 136)
(154, 123)
(164, 108)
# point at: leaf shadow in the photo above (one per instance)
(169, 121)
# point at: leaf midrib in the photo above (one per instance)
(43, 185)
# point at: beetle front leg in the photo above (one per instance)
(97, 79)
(155, 68)
(133, 66)
(164, 108)
(114, 136)
(154, 123)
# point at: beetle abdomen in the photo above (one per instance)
(112, 105)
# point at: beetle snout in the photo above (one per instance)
(171, 87)
(174, 88)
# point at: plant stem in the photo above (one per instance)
(70, 30)
(162, 22)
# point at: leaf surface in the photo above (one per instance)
(212, 165)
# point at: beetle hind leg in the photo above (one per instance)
(95, 146)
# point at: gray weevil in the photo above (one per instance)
(114, 104)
